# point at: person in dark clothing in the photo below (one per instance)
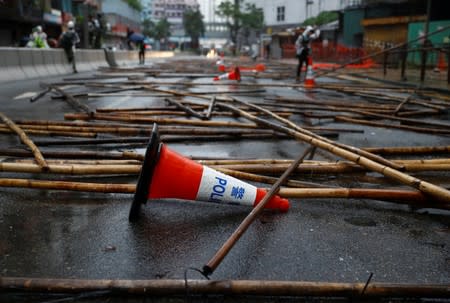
(136, 41)
(141, 46)
(303, 48)
(67, 41)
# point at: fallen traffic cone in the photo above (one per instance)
(167, 174)
(233, 75)
(309, 79)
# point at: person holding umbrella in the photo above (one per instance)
(138, 40)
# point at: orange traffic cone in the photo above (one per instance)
(233, 75)
(257, 68)
(221, 68)
(309, 79)
(167, 174)
(441, 65)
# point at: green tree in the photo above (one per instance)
(162, 30)
(236, 19)
(148, 28)
(193, 26)
(136, 4)
(252, 19)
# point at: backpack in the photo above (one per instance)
(67, 40)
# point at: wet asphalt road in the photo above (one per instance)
(60, 234)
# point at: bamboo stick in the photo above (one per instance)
(73, 101)
(404, 120)
(145, 130)
(81, 161)
(384, 125)
(427, 188)
(272, 169)
(269, 288)
(38, 132)
(209, 111)
(71, 186)
(409, 150)
(75, 169)
(27, 141)
(264, 179)
(73, 154)
(414, 198)
(406, 100)
(149, 120)
(185, 108)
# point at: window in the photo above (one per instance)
(280, 13)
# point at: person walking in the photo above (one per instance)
(303, 47)
(67, 41)
(141, 46)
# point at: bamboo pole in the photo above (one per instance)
(81, 161)
(427, 188)
(49, 133)
(404, 120)
(14, 152)
(71, 186)
(92, 130)
(403, 127)
(269, 288)
(413, 198)
(185, 108)
(151, 120)
(73, 101)
(27, 141)
(209, 111)
(264, 179)
(408, 150)
(75, 169)
(272, 169)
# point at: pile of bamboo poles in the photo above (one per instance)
(188, 114)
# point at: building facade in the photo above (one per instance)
(18, 18)
(173, 11)
(282, 14)
(216, 31)
(120, 18)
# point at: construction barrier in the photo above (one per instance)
(10, 67)
(32, 63)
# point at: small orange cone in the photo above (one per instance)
(309, 79)
(167, 174)
(257, 68)
(441, 65)
(233, 75)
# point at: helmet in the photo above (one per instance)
(309, 29)
(39, 29)
(70, 25)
